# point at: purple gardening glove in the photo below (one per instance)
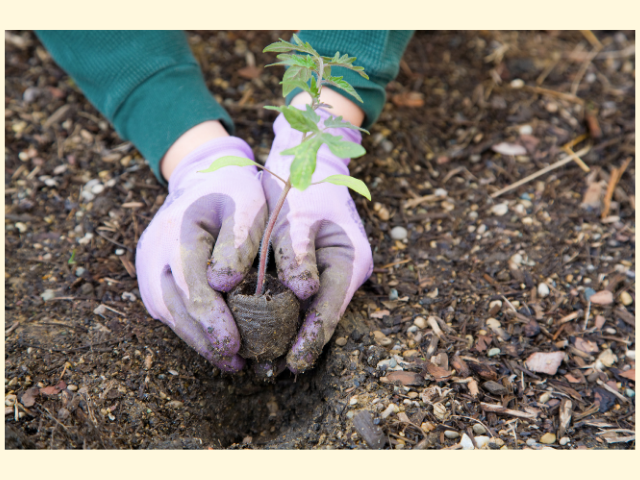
(177, 271)
(319, 241)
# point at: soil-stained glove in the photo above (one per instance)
(320, 244)
(177, 270)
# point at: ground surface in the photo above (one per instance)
(427, 311)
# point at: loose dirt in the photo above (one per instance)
(436, 345)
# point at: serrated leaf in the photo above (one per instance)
(229, 161)
(296, 72)
(289, 85)
(299, 119)
(341, 148)
(337, 122)
(304, 163)
(280, 46)
(354, 184)
(326, 72)
(314, 88)
(343, 85)
(311, 114)
(284, 46)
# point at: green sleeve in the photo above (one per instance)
(378, 51)
(146, 83)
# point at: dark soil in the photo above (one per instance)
(267, 323)
(129, 382)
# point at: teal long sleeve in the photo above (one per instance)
(378, 51)
(151, 88)
(146, 83)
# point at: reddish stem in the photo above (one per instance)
(266, 239)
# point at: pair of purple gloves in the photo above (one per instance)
(206, 235)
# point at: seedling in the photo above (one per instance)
(309, 71)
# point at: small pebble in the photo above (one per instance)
(399, 233)
(603, 297)
(21, 227)
(525, 130)
(390, 410)
(415, 394)
(72, 388)
(493, 352)
(129, 296)
(341, 342)
(80, 271)
(588, 293)
(353, 401)
(86, 239)
(420, 322)
(175, 404)
(451, 434)
(466, 443)
(545, 397)
(383, 214)
(548, 438)
(48, 294)
(517, 83)
(482, 441)
(543, 290)
(479, 429)
(393, 294)
(564, 441)
(630, 393)
(119, 251)
(500, 209)
(626, 299)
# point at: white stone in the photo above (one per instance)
(466, 443)
(97, 189)
(86, 239)
(48, 294)
(482, 441)
(420, 322)
(500, 209)
(129, 296)
(120, 251)
(399, 233)
(543, 290)
(525, 130)
(517, 83)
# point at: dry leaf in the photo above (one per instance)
(408, 99)
(505, 148)
(603, 297)
(405, 378)
(483, 343)
(54, 389)
(29, 397)
(545, 362)
(630, 374)
(586, 346)
(437, 372)
(592, 196)
(379, 314)
(250, 72)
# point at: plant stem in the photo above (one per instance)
(266, 239)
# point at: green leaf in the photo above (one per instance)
(314, 88)
(289, 85)
(337, 122)
(326, 72)
(280, 46)
(341, 148)
(343, 85)
(229, 161)
(299, 60)
(304, 163)
(303, 121)
(296, 72)
(354, 184)
(72, 259)
(311, 114)
(344, 61)
(283, 46)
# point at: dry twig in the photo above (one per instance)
(616, 175)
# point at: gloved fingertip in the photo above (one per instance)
(223, 279)
(232, 364)
(303, 285)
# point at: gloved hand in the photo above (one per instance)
(177, 271)
(319, 241)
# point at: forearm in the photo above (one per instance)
(146, 83)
